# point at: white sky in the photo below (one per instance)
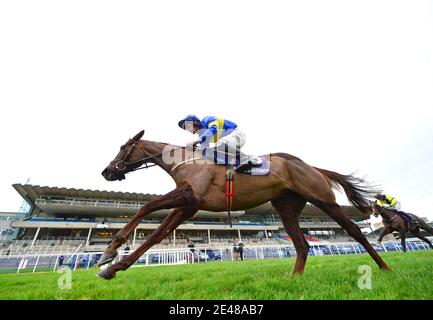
(344, 85)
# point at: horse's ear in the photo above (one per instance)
(138, 136)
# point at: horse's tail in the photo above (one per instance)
(358, 191)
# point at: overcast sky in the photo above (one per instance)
(344, 85)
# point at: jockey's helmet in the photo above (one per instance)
(379, 196)
(189, 117)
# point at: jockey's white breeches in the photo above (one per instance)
(234, 140)
(397, 206)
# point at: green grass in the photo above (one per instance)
(329, 277)
(26, 270)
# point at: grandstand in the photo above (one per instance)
(68, 219)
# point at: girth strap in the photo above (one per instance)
(230, 192)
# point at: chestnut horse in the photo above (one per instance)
(394, 222)
(200, 185)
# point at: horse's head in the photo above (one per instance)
(126, 160)
(375, 209)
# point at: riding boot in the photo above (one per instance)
(247, 159)
(244, 167)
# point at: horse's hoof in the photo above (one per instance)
(386, 268)
(106, 257)
(106, 274)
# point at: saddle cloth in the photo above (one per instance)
(224, 159)
(408, 217)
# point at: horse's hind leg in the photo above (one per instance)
(417, 234)
(335, 212)
(289, 207)
(426, 227)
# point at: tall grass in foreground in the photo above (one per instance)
(328, 277)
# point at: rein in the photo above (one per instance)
(146, 158)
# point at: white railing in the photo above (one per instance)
(33, 262)
(18, 250)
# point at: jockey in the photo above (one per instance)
(387, 201)
(222, 132)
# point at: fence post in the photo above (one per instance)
(88, 261)
(313, 250)
(55, 264)
(77, 261)
(36, 264)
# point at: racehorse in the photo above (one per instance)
(200, 185)
(394, 222)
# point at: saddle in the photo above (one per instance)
(230, 160)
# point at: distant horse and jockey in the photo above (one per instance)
(394, 219)
(201, 185)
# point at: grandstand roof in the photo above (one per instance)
(32, 192)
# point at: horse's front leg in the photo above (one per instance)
(402, 239)
(386, 231)
(182, 196)
(170, 223)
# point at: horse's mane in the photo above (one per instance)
(169, 144)
(285, 156)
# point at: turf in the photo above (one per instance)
(328, 277)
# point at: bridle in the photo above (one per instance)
(379, 213)
(122, 165)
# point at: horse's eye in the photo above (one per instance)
(122, 147)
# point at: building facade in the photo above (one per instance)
(94, 217)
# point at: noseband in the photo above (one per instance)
(122, 165)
